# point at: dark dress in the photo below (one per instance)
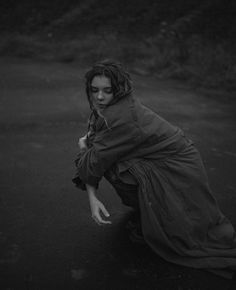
(181, 220)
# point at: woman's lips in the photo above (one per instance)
(101, 105)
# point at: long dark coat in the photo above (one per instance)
(181, 220)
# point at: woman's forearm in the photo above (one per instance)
(91, 192)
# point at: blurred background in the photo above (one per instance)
(192, 40)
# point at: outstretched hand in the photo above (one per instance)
(97, 208)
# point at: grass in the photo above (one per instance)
(157, 39)
(192, 59)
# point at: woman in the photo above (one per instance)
(156, 170)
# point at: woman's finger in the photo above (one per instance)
(105, 212)
(100, 220)
(96, 220)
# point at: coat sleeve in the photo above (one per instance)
(108, 147)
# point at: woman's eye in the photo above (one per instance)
(94, 90)
(108, 91)
(105, 90)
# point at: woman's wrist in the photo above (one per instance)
(91, 191)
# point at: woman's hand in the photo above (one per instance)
(97, 208)
(82, 143)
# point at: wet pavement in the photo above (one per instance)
(47, 238)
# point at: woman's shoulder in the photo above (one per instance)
(120, 113)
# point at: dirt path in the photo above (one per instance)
(47, 239)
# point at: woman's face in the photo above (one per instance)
(101, 91)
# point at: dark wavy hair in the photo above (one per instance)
(120, 79)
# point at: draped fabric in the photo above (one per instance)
(181, 219)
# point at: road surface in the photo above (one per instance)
(47, 238)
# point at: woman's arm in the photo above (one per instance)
(96, 206)
(108, 147)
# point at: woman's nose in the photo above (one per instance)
(100, 95)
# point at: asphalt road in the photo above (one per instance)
(47, 238)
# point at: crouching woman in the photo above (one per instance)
(155, 170)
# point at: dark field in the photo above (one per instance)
(190, 40)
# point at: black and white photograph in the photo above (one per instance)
(118, 145)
